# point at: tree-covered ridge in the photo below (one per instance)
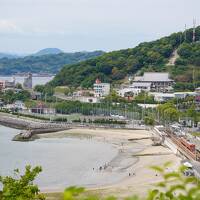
(116, 65)
(46, 63)
(189, 54)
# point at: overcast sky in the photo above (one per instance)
(76, 25)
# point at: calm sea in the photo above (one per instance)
(65, 161)
(37, 80)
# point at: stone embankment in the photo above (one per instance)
(31, 127)
(25, 123)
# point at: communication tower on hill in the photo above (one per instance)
(194, 30)
(185, 33)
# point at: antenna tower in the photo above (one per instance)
(185, 33)
(194, 30)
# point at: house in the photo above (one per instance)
(1, 103)
(162, 97)
(7, 84)
(128, 92)
(159, 81)
(87, 99)
(83, 93)
(101, 89)
(36, 95)
(197, 98)
(19, 105)
(42, 109)
(15, 90)
(10, 84)
(183, 95)
(2, 85)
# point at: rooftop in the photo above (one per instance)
(142, 84)
(153, 77)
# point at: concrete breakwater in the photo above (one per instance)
(25, 123)
(30, 127)
(30, 135)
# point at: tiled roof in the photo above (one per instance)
(143, 84)
(152, 76)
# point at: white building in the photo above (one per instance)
(159, 81)
(85, 99)
(19, 105)
(7, 84)
(2, 84)
(129, 91)
(162, 97)
(143, 86)
(182, 95)
(101, 89)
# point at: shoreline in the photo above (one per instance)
(117, 165)
(140, 157)
(144, 178)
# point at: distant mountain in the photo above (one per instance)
(50, 63)
(7, 55)
(48, 51)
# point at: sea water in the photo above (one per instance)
(65, 161)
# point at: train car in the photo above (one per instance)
(187, 144)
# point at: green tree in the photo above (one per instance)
(149, 121)
(22, 187)
(168, 112)
(191, 112)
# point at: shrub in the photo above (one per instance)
(22, 187)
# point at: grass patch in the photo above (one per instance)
(61, 89)
(197, 134)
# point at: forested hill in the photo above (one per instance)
(148, 56)
(51, 63)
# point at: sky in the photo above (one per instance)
(27, 26)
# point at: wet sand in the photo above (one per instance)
(136, 155)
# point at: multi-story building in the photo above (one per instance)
(7, 84)
(2, 85)
(28, 82)
(101, 89)
(157, 81)
(143, 86)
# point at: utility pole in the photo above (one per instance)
(193, 75)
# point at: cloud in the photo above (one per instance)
(8, 27)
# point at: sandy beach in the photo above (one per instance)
(137, 155)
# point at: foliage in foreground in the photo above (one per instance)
(175, 186)
(21, 187)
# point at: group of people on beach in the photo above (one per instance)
(103, 167)
(129, 174)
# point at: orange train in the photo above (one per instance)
(188, 145)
